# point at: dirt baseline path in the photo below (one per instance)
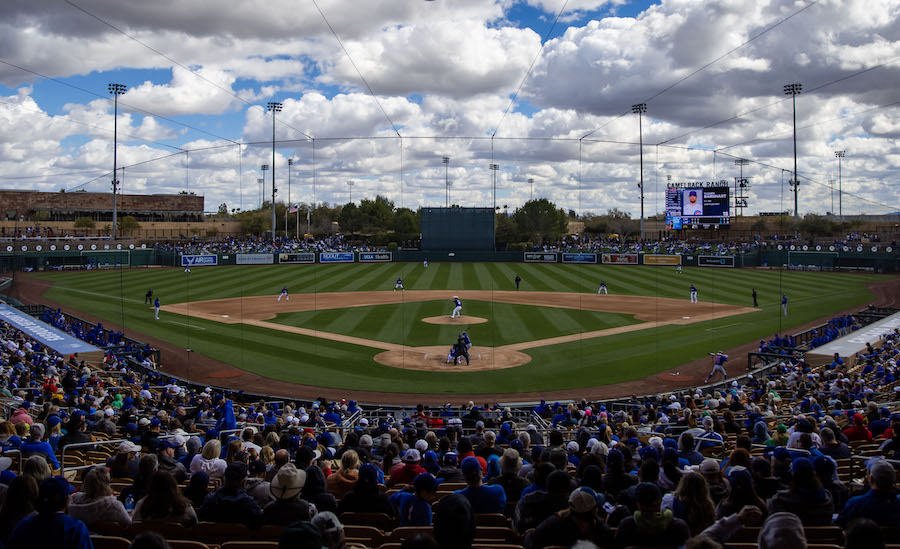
(259, 310)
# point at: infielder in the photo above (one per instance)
(156, 308)
(284, 294)
(602, 289)
(784, 303)
(719, 360)
(457, 307)
(399, 285)
(694, 294)
(755, 304)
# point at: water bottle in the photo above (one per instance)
(129, 503)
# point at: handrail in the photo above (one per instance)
(62, 453)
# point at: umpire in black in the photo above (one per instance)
(461, 351)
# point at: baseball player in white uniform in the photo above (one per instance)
(425, 262)
(284, 294)
(399, 285)
(719, 360)
(784, 303)
(694, 294)
(457, 307)
(187, 268)
(602, 289)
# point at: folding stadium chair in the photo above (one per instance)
(168, 530)
(402, 533)
(824, 534)
(495, 534)
(250, 544)
(219, 532)
(270, 532)
(109, 528)
(491, 519)
(188, 544)
(379, 520)
(365, 535)
(109, 542)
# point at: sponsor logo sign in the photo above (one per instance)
(199, 260)
(658, 259)
(336, 257)
(57, 340)
(540, 257)
(305, 257)
(579, 258)
(620, 259)
(254, 259)
(715, 261)
(375, 257)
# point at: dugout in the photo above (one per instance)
(451, 229)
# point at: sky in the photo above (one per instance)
(377, 92)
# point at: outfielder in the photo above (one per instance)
(602, 289)
(399, 285)
(784, 303)
(694, 294)
(426, 262)
(457, 307)
(284, 294)
(156, 308)
(187, 269)
(678, 269)
(719, 360)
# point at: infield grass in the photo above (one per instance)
(117, 296)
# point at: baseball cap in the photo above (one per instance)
(412, 456)
(327, 522)
(709, 466)
(425, 481)
(236, 471)
(572, 447)
(583, 500)
(128, 447)
(257, 467)
(647, 493)
(470, 466)
(692, 193)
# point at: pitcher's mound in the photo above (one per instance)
(434, 359)
(463, 320)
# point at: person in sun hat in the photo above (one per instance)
(288, 505)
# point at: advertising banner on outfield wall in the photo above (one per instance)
(540, 257)
(620, 259)
(199, 260)
(305, 257)
(579, 258)
(336, 257)
(715, 261)
(255, 259)
(657, 259)
(374, 257)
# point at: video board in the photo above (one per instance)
(697, 205)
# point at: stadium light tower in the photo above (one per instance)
(290, 163)
(274, 107)
(116, 90)
(639, 109)
(741, 162)
(494, 168)
(531, 185)
(446, 161)
(840, 157)
(794, 90)
(350, 185)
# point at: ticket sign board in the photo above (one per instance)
(620, 259)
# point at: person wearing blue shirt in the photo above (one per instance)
(483, 498)
(879, 504)
(35, 445)
(414, 509)
(51, 527)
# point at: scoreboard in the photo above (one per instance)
(697, 205)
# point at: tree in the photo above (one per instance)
(505, 232)
(84, 223)
(254, 222)
(376, 215)
(350, 219)
(759, 226)
(405, 226)
(596, 225)
(223, 208)
(540, 220)
(128, 223)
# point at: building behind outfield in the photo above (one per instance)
(69, 206)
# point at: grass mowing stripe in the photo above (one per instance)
(484, 279)
(441, 278)
(548, 272)
(470, 278)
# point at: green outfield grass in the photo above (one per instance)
(118, 297)
(507, 322)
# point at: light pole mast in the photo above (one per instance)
(116, 90)
(531, 192)
(840, 157)
(274, 107)
(794, 90)
(739, 162)
(639, 109)
(446, 161)
(494, 168)
(290, 163)
(350, 185)
(262, 186)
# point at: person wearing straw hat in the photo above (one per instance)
(288, 506)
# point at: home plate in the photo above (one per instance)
(224, 316)
(686, 317)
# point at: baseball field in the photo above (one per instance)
(345, 328)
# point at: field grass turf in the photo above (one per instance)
(507, 322)
(117, 295)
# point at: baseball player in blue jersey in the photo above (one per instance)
(426, 262)
(719, 360)
(694, 294)
(457, 307)
(156, 308)
(602, 289)
(284, 294)
(784, 303)
(678, 269)
(399, 285)
(465, 337)
(451, 356)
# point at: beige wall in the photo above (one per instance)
(148, 231)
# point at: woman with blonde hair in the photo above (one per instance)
(96, 502)
(37, 468)
(208, 460)
(267, 455)
(341, 481)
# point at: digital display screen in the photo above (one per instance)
(697, 207)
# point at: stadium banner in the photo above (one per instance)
(620, 259)
(375, 257)
(579, 258)
(715, 261)
(255, 259)
(336, 257)
(57, 340)
(199, 260)
(658, 259)
(306, 257)
(540, 257)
